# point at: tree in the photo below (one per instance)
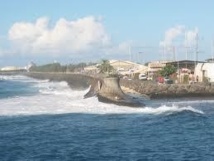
(106, 68)
(53, 67)
(167, 70)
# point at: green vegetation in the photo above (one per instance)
(167, 70)
(57, 67)
(54, 67)
(76, 67)
(106, 69)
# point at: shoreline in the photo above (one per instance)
(169, 91)
(147, 89)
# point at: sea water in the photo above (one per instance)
(43, 120)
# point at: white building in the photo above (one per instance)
(156, 66)
(122, 67)
(128, 67)
(205, 70)
(9, 68)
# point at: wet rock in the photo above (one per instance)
(111, 92)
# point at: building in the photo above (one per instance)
(204, 72)
(185, 70)
(156, 66)
(128, 68)
(211, 60)
(185, 64)
(11, 69)
(125, 68)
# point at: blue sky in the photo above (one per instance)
(72, 31)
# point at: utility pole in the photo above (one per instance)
(186, 52)
(130, 53)
(196, 49)
(174, 54)
(186, 45)
(212, 50)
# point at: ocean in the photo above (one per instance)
(48, 121)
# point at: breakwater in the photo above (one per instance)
(75, 81)
(158, 91)
(148, 88)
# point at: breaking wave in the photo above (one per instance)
(58, 98)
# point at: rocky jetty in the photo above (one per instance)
(157, 91)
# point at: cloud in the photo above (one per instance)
(80, 36)
(190, 37)
(171, 34)
(179, 35)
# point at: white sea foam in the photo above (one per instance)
(170, 109)
(58, 98)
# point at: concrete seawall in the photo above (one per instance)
(75, 81)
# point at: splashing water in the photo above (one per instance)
(58, 98)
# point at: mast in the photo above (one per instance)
(196, 49)
(130, 53)
(186, 45)
(212, 50)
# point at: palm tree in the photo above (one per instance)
(106, 68)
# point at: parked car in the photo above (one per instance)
(150, 78)
(167, 80)
(142, 76)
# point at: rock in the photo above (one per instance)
(108, 90)
(111, 92)
(94, 88)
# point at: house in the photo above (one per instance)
(9, 68)
(154, 67)
(204, 72)
(128, 67)
(91, 69)
(184, 64)
(125, 68)
(210, 60)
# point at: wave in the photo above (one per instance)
(58, 98)
(164, 109)
(62, 104)
(21, 78)
(193, 101)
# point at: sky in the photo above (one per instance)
(68, 31)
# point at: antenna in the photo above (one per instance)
(196, 49)
(187, 52)
(164, 52)
(212, 49)
(130, 53)
(174, 54)
(186, 45)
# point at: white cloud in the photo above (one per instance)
(179, 35)
(190, 37)
(80, 36)
(171, 34)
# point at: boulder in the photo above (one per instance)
(108, 90)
